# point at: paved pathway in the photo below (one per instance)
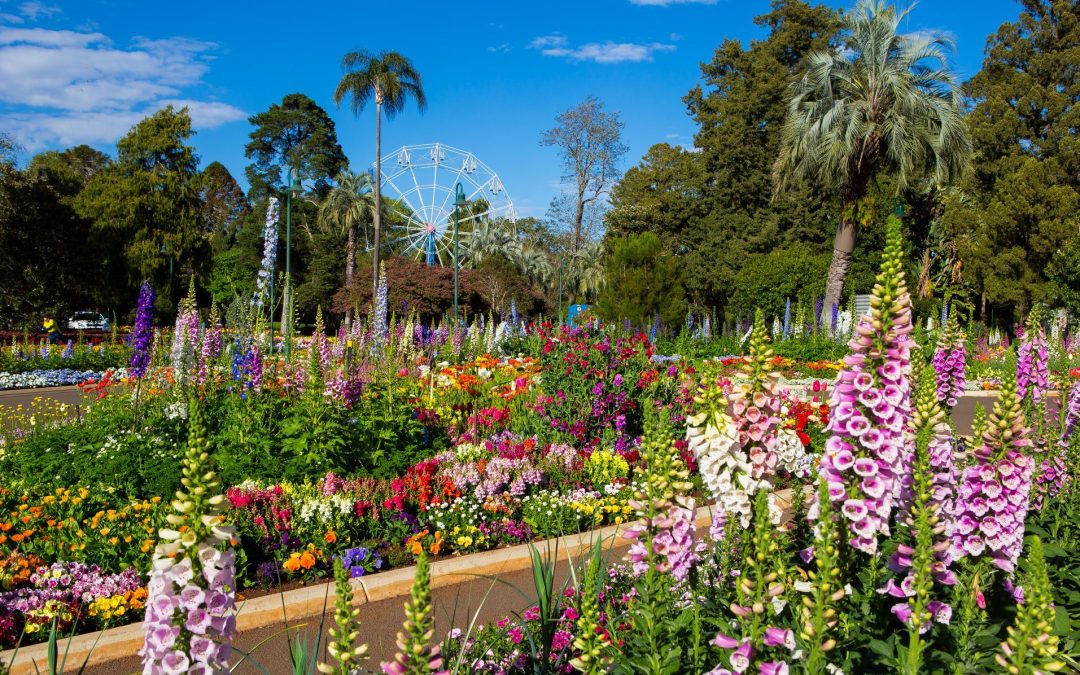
(380, 622)
(13, 397)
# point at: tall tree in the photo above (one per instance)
(147, 203)
(390, 79)
(9, 150)
(48, 258)
(642, 282)
(224, 204)
(71, 169)
(590, 142)
(886, 101)
(1021, 203)
(663, 194)
(711, 205)
(347, 207)
(294, 134)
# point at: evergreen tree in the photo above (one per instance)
(1021, 201)
(643, 282)
(146, 205)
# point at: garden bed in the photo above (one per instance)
(315, 599)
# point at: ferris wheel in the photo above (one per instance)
(418, 186)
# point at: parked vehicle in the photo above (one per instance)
(88, 321)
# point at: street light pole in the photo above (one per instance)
(459, 202)
(286, 311)
(562, 266)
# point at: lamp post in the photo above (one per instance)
(562, 266)
(286, 313)
(459, 202)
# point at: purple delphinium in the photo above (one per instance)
(379, 311)
(142, 334)
(869, 445)
(209, 350)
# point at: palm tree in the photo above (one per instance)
(489, 238)
(347, 206)
(587, 269)
(533, 262)
(390, 79)
(884, 101)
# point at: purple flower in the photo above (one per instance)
(142, 334)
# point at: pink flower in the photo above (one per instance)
(740, 658)
(774, 668)
(775, 637)
(725, 642)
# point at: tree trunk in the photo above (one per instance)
(579, 217)
(843, 246)
(350, 267)
(378, 195)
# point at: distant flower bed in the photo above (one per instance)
(47, 378)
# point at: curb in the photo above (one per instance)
(125, 641)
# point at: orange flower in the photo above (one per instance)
(307, 561)
(437, 546)
(293, 563)
(330, 537)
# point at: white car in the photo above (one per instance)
(88, 321)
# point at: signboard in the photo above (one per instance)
(573, 312)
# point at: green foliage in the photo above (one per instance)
(643, 282)
(258, 437)
(294, 134)
(1020, 204)
(885, 102)
(346, 628)
(1031, 646)
(47, 261)
(768, 280)
(1064, 276)
(149, 198)
(712, 208)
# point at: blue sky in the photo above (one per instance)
(496, 73)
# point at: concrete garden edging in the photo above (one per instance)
(301, 603)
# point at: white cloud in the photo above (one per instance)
(65, 87)
(548, 41)
(499, 49)
(665, 3)
(33, 10)
(598, 52)
(10, 18)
